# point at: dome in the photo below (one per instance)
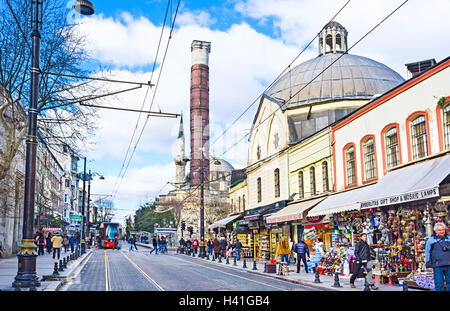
(224, 166)
(350, 77)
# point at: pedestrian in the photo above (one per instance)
(155, 245)
(283, 251)
(216, 247)
(77, 241)
(223, 247)
(195, 245)
(65, 243)
(301, 251)
(99, 241)
(437, 256)
(362, 258)
(72, 243)
(238, 249)
(132, 242)
(48, 242)
(189, 245)
(40, 243)
(116, 243)
(182, 245)
(57, 241)
(210, 246)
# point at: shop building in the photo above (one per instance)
(391, 171)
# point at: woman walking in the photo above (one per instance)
(65, 243)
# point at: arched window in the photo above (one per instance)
(301, 190)
(446, 123)
(370, 166)
(312, 180)
(391, 147)
(338, 42)
(276, 176)
(258, 184)
(350, 166)
(328, 43)
(239, 203)
(419, 137)
(325, 183)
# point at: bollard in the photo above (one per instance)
(234, 262)
(366, 285)
(245, 264)
(213, 257)
(316, 275)
(220, 258)
(55, 269)
(193, 254)
(227, 261)
(64, 263)
(60, 266)
(336, 280)
(254, 265)
(405, 286)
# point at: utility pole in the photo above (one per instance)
(83, 222)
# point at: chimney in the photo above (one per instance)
(199, 111)
(418, 67)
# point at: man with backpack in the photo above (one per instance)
(437, 256)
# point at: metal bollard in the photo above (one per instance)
(64, 263)
(316, 275)
(207, 256)
(254, 265)
(55, 269)
(245, 264)
(366, 285)
(228, 261)
(220, 258)
(336, 280)
(60, 266)
(405, 286)
(214, 257)
(234, 262)
(193, 254)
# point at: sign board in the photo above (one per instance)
(402, 198)
(43, 220)
(76, 218)
(162, 230)
(52, 229)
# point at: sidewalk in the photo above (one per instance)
(44, 269)
(307, 279)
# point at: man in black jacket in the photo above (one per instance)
(362, 256)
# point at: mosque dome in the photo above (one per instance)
(349, 77)
(220, 165)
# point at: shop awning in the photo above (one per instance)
(255, 213)
(340, 202)
(411, 183)
(293, 211)
(222, 223)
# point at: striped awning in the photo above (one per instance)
(293, 211)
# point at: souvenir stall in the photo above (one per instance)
(275, 236)
(244, 235)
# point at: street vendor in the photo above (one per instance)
(437, 256)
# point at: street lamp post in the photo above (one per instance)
(89, 200)
(83, 222)
(26, 274)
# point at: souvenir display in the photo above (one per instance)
(333, 260)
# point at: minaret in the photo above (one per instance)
(180, 160)
(199, 111)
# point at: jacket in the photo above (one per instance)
(283, 247)
(154, 242)
(238, 245)
(216, 246)
(57, 241)
(72, 240)
(362, 251)
(301, 248)
(437, 251)
(223, 244)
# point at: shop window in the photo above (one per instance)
(258, 185)
(325, 182)
(446, 124)
(301, 190)
(370, 168)
(276, 176)
(312, 179)
(419, 137)
(392, 149)
(350, 165)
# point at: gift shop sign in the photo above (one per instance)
(402, 198)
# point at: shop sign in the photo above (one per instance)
(76, 218)
(52, 229)
(402, 198)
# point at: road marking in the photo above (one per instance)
(236, 275)
(106, 273)
(143, 273)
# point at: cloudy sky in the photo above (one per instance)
(252, 42)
